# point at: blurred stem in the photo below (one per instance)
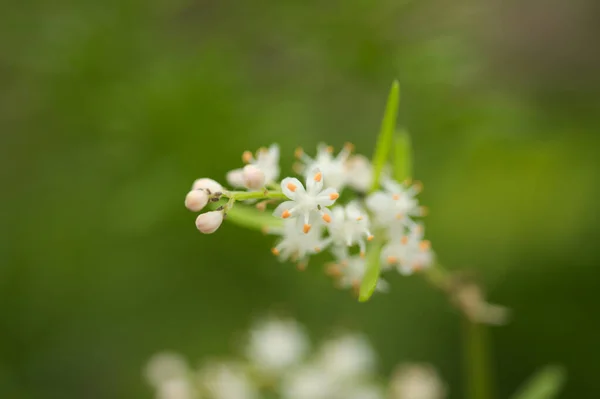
(476, 361)
(247, 195)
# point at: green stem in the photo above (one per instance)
(477, 362)
(247, 195)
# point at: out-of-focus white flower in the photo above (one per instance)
(347, 357)
(275, 345)
(209, 222)
(409, 253)
(334, 168)
(417, 382)
(254, 177)
(470, 299)
(165, 366)
(359, 172)
(297, 245)
(349, 226)
(266, 160)
(395, 206)
(361, 392)
(207, 184)
(176, 388)
(306, 203)
(195, 200)
(350, 273)
(227, 381)
(307, 382)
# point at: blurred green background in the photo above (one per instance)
(109, 110)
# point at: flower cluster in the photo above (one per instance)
(278, 363)
(309, 218)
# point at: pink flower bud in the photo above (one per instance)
(207, 184)
(195, 200)
(235, 178)
(209, 222)
(254, 178)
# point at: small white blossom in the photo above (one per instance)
(417, 382)
(349, 226)
(304, 203)
(362, 392)
(267, 160)
(207, 184)
(227, 381)
(276, 345)
(347, 357)
(409, 253)
(334, 168)
(164, 367)
(196, 200)
(176, 388)
(297, 245)
(254, 177)
(209, 222)
(307, 382)
(350, 272)
(359, 172)
(395, 206)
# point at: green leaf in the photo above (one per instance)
(251, 218)
(402, 156)
(369, 283)
(545, 384)
(386, 134)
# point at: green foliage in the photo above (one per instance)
(545, 384)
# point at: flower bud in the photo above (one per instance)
(195, 200)
(235, 178)
(207, 184)
(209, 222)
(254, 178)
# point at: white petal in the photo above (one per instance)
(291, 186)
(327, 197)
(314, 181)
(286, 205)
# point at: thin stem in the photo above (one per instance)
(247, 195)
(476, 361)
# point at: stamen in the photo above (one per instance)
(317, 249)
(349, 147)
(318, 176)
(326, 217)
(286, 214)
(391, 260)
(306, 228)
(329, 149)
(247, 157)
(362, 254)
(404, 240)
(299, 152)
(359, 218)
(399, 216)
(292, 187)
(275, 251)
(425, 245)
(370, 237)
(334, 196)
(396, 197)
(262, 150)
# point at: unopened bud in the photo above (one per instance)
(207, 184)
(235, 178)
(195, 200)
(209, 222)
(254, 178)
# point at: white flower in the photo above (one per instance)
(359, 173)
(306, 203)
(275, 345)
(349, 226)
(396, 205)
(410, 252)
(362, 392)
(350, 272)
(267, 160)
(164, 367)
(297, 245)
(254, 177)
(176, 388)
(195, 200)
(334, 168)
(227, 381)
(417, 382)
(347, 357)
(209, 222)
(207, 184)
(308, 382)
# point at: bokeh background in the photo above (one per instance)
(110, 109)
